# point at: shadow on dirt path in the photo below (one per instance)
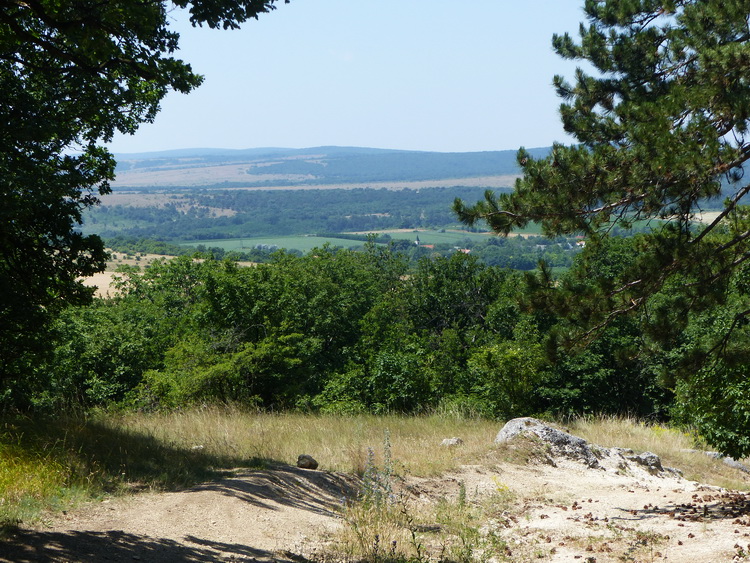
(243, 517)
(316, 491)
(89, 547)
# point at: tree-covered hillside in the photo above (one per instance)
(312, 166)
(206, 214)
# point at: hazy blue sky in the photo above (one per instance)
(436, 75)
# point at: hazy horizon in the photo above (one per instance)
(422, 75)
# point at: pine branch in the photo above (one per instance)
(611, 316)
(721, 346)
(731, 205)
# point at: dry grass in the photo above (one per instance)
(676, 448)
(403, 530)
(103, 281)
(47, 466)
(339, 443)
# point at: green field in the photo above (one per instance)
(305, 243)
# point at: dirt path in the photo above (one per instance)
(567, 512)
(267, 515)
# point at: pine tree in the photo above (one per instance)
(663, 131)
(661, 119)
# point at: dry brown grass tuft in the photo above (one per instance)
(675, 447)
(339, 443)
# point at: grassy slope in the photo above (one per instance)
(50, 466)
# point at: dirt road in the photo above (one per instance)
(562, 511)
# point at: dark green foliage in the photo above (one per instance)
(269, 334)
(187, 331)
(436, 341)
(505, 375)
(716, 400)
(279, 212)
(347, 331)
(613, 375)
(132, 245)
(451, 293)
(662, 126)
(104, 350)
(338, 331)
(706, 361)
(72, 74)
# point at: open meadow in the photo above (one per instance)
(103, 281)
(185, 485)
(305, 243)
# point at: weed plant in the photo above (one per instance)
(388, 526)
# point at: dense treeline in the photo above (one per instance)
(135, 246)
(517, 253)
(220, 214)
(348, 331)
(336, 331)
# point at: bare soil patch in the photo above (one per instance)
(554, 510)
(573, 513)
(103, 281)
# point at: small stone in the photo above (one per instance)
(451, 442)
(307, 462)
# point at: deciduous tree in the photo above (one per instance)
(72, 74)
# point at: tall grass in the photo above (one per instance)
(37, 471)
(339, 443)
(675, 447)
(51, 465)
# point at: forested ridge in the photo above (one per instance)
(192, 215)
(309, 167)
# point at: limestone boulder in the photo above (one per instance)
(560, 443)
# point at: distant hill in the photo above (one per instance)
(315, 166)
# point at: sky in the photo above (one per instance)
(428, 75)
